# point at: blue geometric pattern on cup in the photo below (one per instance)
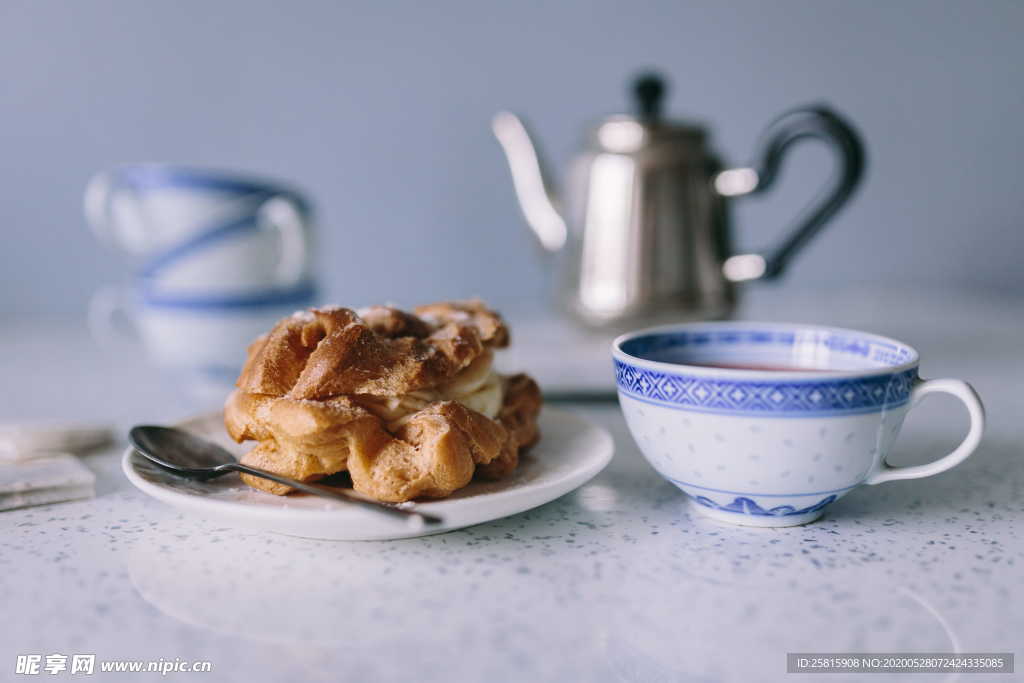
(860, 394)
(746, 506)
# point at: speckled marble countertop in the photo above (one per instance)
(617, 581)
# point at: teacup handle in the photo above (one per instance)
(285, 215)
(975, 410)
(98, 205)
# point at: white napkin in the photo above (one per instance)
(44, 478)
(35, 470)
(23, 440)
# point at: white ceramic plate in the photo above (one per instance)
(570, 452)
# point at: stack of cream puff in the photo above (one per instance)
(408, 403)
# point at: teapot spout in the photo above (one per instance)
(528, 176)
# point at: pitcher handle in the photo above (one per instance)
(811, 122)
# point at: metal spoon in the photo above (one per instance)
(196, 458)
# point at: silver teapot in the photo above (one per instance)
(643, 231)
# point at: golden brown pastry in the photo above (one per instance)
(407, 403)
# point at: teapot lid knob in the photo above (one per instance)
(649, 89)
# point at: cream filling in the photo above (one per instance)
(477, 386)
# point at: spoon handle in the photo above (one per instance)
(414, 518)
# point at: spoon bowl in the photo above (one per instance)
(181, 451)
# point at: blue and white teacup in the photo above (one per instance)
(767, 424)
(201, 230)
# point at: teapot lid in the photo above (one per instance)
(625, 133)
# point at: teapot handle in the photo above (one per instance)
(811, 122)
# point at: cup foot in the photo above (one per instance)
(742, 519)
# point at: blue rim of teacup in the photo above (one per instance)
(155, 175)
(913, 358)
(739, 391)
(301, 295)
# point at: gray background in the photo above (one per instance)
(381, 111)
